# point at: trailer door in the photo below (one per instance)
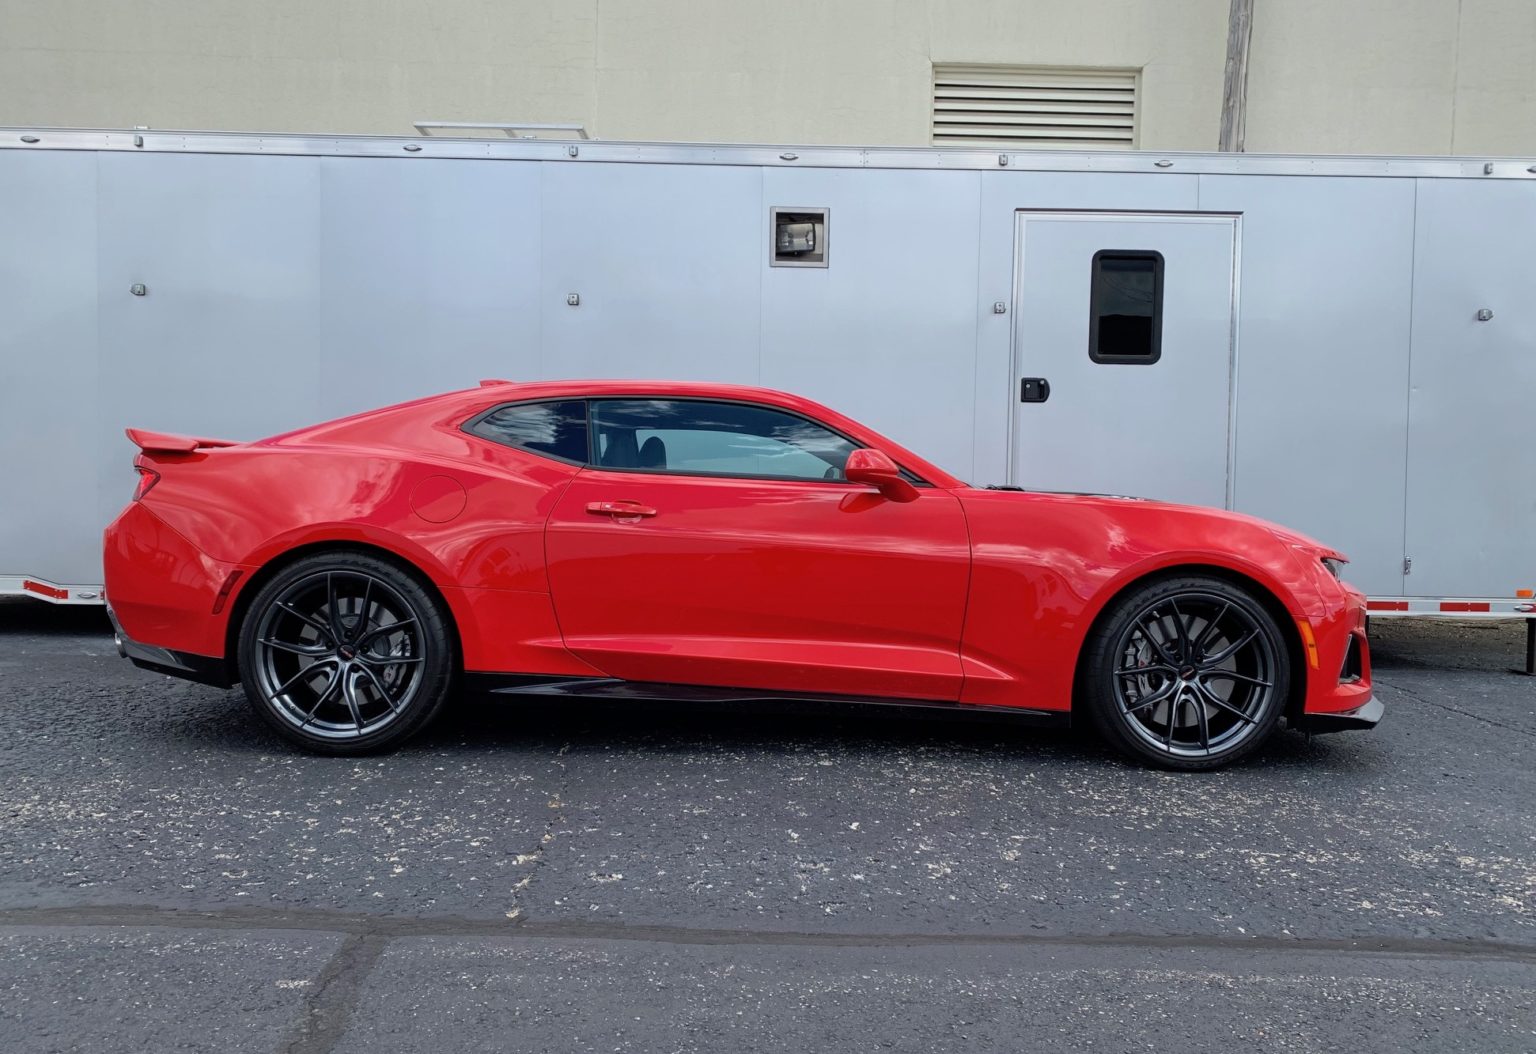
(1123, 354)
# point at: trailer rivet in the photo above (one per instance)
(1165, 163)
(29, 139)
(412, 147)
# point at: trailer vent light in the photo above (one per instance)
(799, 237)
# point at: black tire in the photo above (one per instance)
(345, 653)
(1188, 673)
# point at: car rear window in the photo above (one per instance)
(551, 429)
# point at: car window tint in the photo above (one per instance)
(698, 437)
(553, 429)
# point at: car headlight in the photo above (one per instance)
(1334, 565)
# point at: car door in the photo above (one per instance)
(716, 543)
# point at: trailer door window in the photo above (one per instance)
(1126, 307)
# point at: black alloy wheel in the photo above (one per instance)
(345, 653)
(1187, 673)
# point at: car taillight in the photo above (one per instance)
(148, 477)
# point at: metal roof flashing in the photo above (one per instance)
(875, 157)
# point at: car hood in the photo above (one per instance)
(1282, 533)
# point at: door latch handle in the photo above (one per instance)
(1034, 389)
(619, 508)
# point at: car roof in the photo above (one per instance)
(684, 389)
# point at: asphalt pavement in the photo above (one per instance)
(552, 877)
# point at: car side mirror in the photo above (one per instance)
(874, 468)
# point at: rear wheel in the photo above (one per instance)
(345, 653)
(1187, 673)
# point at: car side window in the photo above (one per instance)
(699, 437)
(551, 429)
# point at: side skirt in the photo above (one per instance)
(509, 685)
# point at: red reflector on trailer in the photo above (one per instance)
(44, 590)
(1462, 605)
(1386, 605)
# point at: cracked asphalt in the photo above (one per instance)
(542, 876)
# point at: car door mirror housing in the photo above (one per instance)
(875, 469)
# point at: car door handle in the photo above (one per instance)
(619, 508)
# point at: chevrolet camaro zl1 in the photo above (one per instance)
(628, 539)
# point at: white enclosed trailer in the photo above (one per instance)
(1343, 345)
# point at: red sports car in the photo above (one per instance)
(669, 540)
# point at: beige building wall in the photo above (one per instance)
(1403, 76)
(1393, 76)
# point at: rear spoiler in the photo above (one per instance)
(168, 443)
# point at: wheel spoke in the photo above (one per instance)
(1134, 671)
(1156, 644)
(362, 615)
(308, 671)
(1233, 675)
(349, 693)
(378, 686)
(333, 606)
(308, 650)
(1158, 695)
(1221, 704)
(1173, 715)
(371, 659)
(296, 613)
(1210, 627)
(324, 697)
(1205, 726)
(1181, 629)
(1231, 649)
(368, 637)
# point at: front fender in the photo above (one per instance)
(1044, 567)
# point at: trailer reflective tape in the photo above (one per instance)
(1463, 605)
(43, 590)
(1386, 605)
(1309, 640)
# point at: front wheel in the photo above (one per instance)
(345, 653)
(1186, 673)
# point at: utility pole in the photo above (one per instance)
(1234, 88)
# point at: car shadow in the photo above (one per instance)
(476, 723)
(25, 615)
